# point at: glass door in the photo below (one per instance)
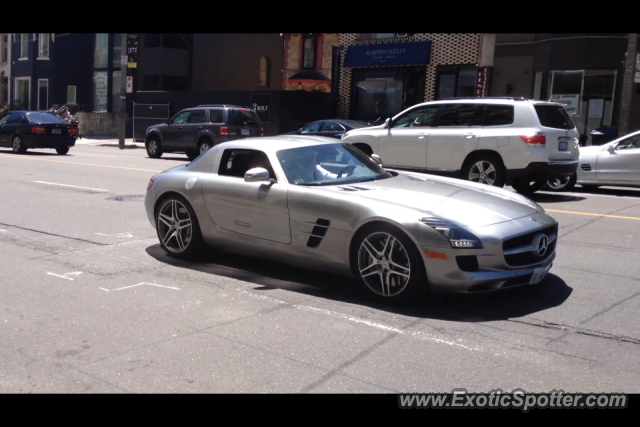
(377, 93)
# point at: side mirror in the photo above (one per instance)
(387, 123)
(377, 159)
(257, 175)
(612, 148)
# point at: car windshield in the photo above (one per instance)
(329, 164)
(355, 124)
(43, 118)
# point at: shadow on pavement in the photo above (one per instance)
(554, 198)
(269, 275)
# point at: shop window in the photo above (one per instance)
(372, 36)
(456, 81)
(265, 71)
(100, 91)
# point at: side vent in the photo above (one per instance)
(585, 167)
(352, 188)
(318, 232)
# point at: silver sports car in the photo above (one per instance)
(317, 203)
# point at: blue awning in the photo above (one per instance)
(406, 53)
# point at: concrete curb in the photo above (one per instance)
(118, 145)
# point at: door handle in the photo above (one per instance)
(470, 135)
(199, 127)
(421, 135)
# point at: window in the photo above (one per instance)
(4, 48)
(461, 115)
(100, 91)
(43, 94)
(117, 50)
(310, 128)
(554, 117)
(236, 162)
(496, 115)
(172, 40)
(101, 51)
(43, 46)
(71, 94)
(265, 71)
(22, 93)
(309, 52)
(37, 117)
(456, 81)
(332, 127)
(423, 116)
(370, 36)
(181, 117)
(215, 116)
(16, 118)
(632, 142)
(24, 45)
(197, 116)
(242, 116)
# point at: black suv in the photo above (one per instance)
(194, 130)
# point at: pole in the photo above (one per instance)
(627, 85)
(123, 92)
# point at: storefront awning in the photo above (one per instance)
(384, 54)
(312, 76)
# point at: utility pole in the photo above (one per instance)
(627, 85)
(124, 52)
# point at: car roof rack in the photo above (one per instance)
(515, 98)
(221, 105)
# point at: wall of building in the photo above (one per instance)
(445, 49)
(5, 73)
(98, 124)
(293, 58)
(515, 71)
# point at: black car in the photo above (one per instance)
(21, 130)
(194, 130)
(332, 128)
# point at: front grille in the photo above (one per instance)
(585, 167)
(530, 257)
(517, 281)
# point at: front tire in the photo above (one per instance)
(17, 145)
(565, 183)
(484, 169)
(154, 150)
(62, 150)
(526, 186)
(204, 146)
(178, 228)
(387, 264)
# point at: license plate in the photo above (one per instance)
(245, 131)
(56, 131)
(562, 146)
(538, 275)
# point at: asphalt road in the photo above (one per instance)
(90, 303)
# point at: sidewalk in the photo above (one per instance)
(108, 141)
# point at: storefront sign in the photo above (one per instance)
(336, 56)
(101, 91)
(409, 53)
(261, 104)
(571, 102)
(482, 82)
(132, 50)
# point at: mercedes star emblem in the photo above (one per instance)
(541, 243)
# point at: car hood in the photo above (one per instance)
(464, 202)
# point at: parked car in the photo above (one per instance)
(326, 205)
(495, 141)
(22, 130)
(616, 164)
(333, 128)
(194, 130)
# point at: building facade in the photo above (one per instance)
(382, 74)
(5, 68)
(308, 60)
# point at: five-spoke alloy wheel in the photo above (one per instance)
(178, 229)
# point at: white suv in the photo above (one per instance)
(496, 141)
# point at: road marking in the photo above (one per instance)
(73, 186)
(587, 194)
(594, 214)
(92, 155)
(66, 275)
(125, 234)
(78, 163)
(105, 289)
(143, 283)
(2, 230)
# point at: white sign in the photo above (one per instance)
(596, 108)
(571, 101)
(124, 59)
(129, 85)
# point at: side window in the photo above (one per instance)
(632, 142)
(4, 119)
(181, 117)
(236, 162)
(215, 116)
(332, 127)
(15, 118)
(497, 115)
(424, 116)
(461, 115)
(313, 127)
(196, 116)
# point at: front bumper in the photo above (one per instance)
(545, 170)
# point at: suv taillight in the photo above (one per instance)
(37, 129)
(224, 130)
(261, 131)
(536, 140)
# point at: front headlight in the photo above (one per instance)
(458, 237)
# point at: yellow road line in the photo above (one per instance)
(78, 163)
(594, 214)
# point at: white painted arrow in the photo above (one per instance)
(140, 284)
(66, 275)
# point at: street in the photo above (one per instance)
(89, 303)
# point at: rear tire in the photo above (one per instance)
(204, 146)
(62, 150)
(387, 264)
(527, 187)
(154, 149)
(17, 145)
(485, 169)
(178, 228)
(561, 184)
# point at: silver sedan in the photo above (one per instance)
(325, 205)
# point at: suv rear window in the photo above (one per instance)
(242, 116)
(554, 117)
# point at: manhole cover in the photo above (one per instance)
(127, 198)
